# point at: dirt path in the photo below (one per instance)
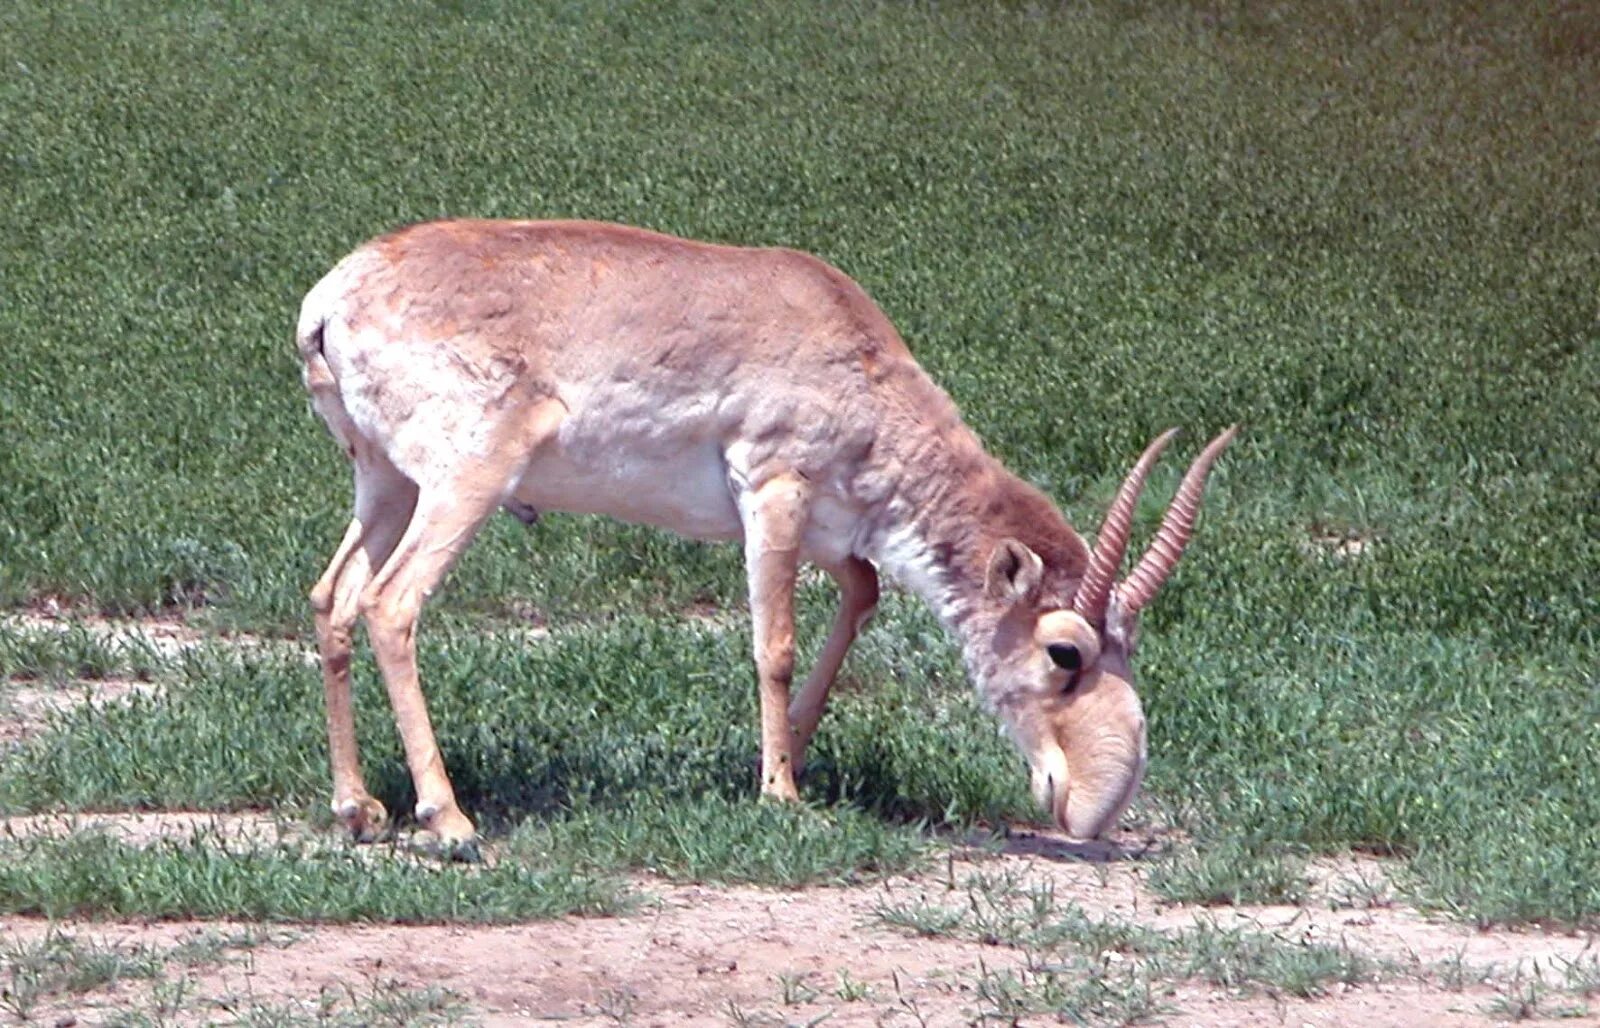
(697, 955)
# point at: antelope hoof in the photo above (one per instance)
(363, 816)
(446, 833)
(456, 851)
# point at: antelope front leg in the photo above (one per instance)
(858, 598)
(774, 517)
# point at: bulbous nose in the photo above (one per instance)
(1081, 824)
(1096, 800)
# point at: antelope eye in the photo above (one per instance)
(1065, 656)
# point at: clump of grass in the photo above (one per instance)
(1581, 975)
(1311, 746)
(1361, 891)
(848, 990)
(72, 652)
(1527, 997)
(794, 990)
(65, 966)
(726, 841)
(1081, 992)
(1455, 973)
(181, 750)
(60, 962)
(632, 740)
(376, 1001)
(1559, 988)
(928, 920)
(209, 946)
(387, 1001)
(1230, 873)
(1237, 958)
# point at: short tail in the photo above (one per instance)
(318, 376)
(311, 336)
(320, 335)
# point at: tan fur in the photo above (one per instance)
(720, 392)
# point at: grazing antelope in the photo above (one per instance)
(722, 393)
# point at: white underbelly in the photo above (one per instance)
(662, 463)
(681, 489)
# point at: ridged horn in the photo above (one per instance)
(1153, 568)
(1112, 541)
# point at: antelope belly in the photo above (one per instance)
(682, 488)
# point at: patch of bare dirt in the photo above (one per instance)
(1391, 931)
(25, 709)
(232, 831)
(698, 955)
(701, 955)
(1405, 1004)
(709, 956)
(26, 705)
(164, 636)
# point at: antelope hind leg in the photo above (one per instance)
(447, 517)
(383, 500)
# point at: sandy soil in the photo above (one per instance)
(164, 636)
(699, 955)
(26, 708)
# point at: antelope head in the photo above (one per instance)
(1061, 677)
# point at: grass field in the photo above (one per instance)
(1367, 231)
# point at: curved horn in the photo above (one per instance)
(1173, 535)
(1112, 541)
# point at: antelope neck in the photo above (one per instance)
(938, 546)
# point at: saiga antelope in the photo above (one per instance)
(722, 393)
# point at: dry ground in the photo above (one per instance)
(697, 955)
(701, 955)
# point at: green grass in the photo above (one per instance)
(727, 841)
(71, 653)
(1368, 231)
(377, 1002)
(1230, 872)
(611, 718)
(93, 874)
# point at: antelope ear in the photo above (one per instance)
(1014, 572)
